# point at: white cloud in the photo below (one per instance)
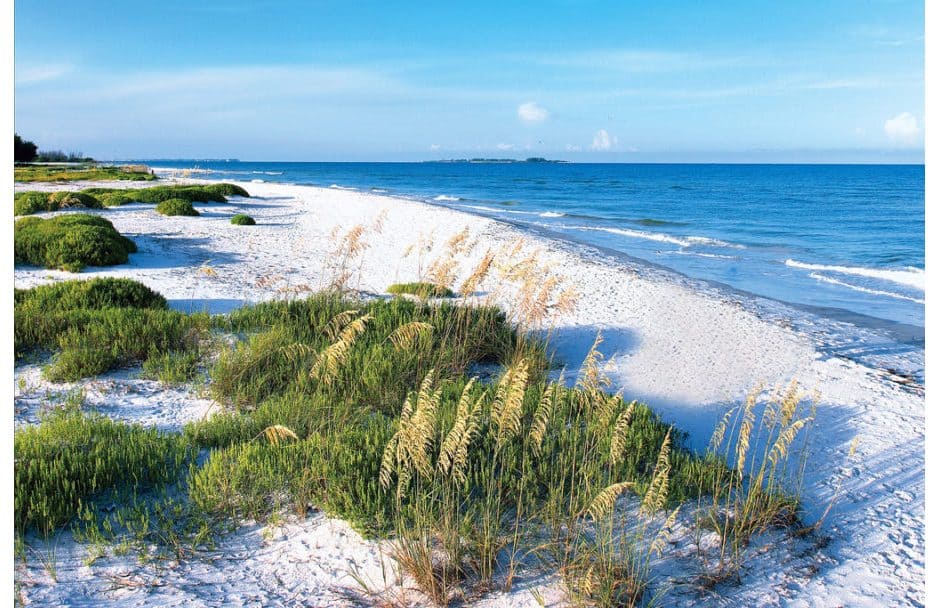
(572, 148)
(902, 128)
(603, 141)
(435, 146)
(39, 73)
(532, 112)
(504, 146)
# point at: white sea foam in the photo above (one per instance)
(910, 276)
(494, 210)
(716, 256)
(877, 292)
(552, 214)
(638, 234)
(444, 197)
(704, 240)
(338, 187)
(257, 181)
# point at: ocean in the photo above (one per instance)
(843, 242)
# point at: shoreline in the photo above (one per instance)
(689, 354)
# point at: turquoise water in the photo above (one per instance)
(842, 239)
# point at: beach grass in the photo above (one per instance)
(215, 193)
(66, 173)
(70, 242)
(240, 219)
(434, 424)
(28, 203)
(176, 206)
(422, 290)
(72, 457)
(96, 326)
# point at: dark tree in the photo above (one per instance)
(23, 151)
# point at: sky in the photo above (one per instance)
(587, 81)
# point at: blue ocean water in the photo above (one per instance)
(845, 240)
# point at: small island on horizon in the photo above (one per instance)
(499, 161)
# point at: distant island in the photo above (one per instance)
(534, 159)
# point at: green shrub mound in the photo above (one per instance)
(240, 219)
(368, 411)
(72, 458)
(422, 290)
(69, 242)
(59, 173)
(229, 190)
(176, 206)
(214, 193)
(94, 294)
(103, 324)
(28, 203)
(114, 199)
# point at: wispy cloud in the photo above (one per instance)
(33, 74)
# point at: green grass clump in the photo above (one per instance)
(114, 199)
(174, 367)
(422, 290)
(215, 193)
(97, 293)
(73, 458)
(176, 206)
(70, 242)
(104, 324)
(228, 190)
(60, 173)
(240, 219)
(28, 203)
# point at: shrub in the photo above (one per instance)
(27, 203)
(72, 458)
(70, 242)
(422, 290)
(229, 190)
(95, 293)
(176, 206)
(114, 199)
(240, 219)
(64, 200)
(93, 342)
(35, 173)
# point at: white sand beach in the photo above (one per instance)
(688, 353)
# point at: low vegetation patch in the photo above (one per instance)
(433, 423)
(68, 173)
(176, 206)
(70, 242)
(95, 326)
(72, 458)
(240, 219)
(28, 203)
(215, 193)
(226, 189)
(108, 292)
(421, 290)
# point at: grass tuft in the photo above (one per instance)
(240, 219)
(176, 206)
(70, 242)
(72, 458)
(421, 290)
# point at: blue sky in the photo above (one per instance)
(592, 81)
